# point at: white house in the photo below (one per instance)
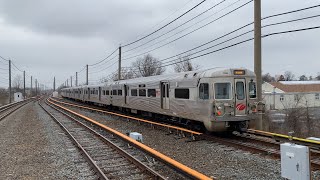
(291, 94)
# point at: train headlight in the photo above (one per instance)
(219, 107)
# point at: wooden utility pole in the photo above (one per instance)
(24, 84)
(54, 83)
(87, 80)
(76, 78)
(31, 88)
(10, 94)
(257, 57)
(119, 68)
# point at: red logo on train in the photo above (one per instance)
(240, 107)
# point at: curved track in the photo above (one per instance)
(250, 141)
(112, 154)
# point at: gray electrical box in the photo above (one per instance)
(295, 161)
(136, 136)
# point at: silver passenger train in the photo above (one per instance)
(219, 99)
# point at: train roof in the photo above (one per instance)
(213, 72)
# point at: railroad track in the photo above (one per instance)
(252, 142)
(111, 156)
(10, 108)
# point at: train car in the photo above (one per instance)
(220, 99)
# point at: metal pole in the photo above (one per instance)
(71, 81)
(76, 78)
(24, 84)
(54, 83)
(119, 70)
(87, 82)
(10, 99)
(257, 56)
(67, 82)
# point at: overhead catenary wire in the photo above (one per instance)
(165, 24)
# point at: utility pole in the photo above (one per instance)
(87, 81)
(31, 88)
(24, 84)
(257, 58)
(67, 82)
(36, 86)
(119, 70)
(10, 81)
(76, 78)
(71, 81)
(54, 83)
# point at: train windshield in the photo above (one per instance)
(252, 90)
(222, 90)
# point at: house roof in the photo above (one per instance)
(297, 86)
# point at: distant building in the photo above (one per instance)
(291, 94)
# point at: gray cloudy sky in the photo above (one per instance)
(57, 38)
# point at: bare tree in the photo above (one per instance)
(268, 78)
(147, 66)
(184, 64)
(303, 78)
(279, 78)
(17, 82)
(310, 78)
(288, 76)
(318, 76)
(126, 73)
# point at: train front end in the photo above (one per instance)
(235, 105)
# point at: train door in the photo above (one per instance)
(240, 97)
(125, 87)
(165, 95)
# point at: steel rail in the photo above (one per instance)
(132, 159)
(9, 109)
(167, 160)
(281, 137)
(79, 146)
(191, 132)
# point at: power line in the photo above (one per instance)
(177, 26)
(247, 40)
(165, 24)
(190, 31)
(104, 58)
(164, 19)
(268, 25)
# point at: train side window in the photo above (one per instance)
(252, 90)
(119, 92)
(151, 93)
(142, 92)
(107, 92)
(103, 92)
(204, 91)
(182, 93)
(96, 91)
(222, 90)
(114, 92)
(134, 92)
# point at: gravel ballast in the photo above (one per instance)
(32, 146)
(207, 157)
